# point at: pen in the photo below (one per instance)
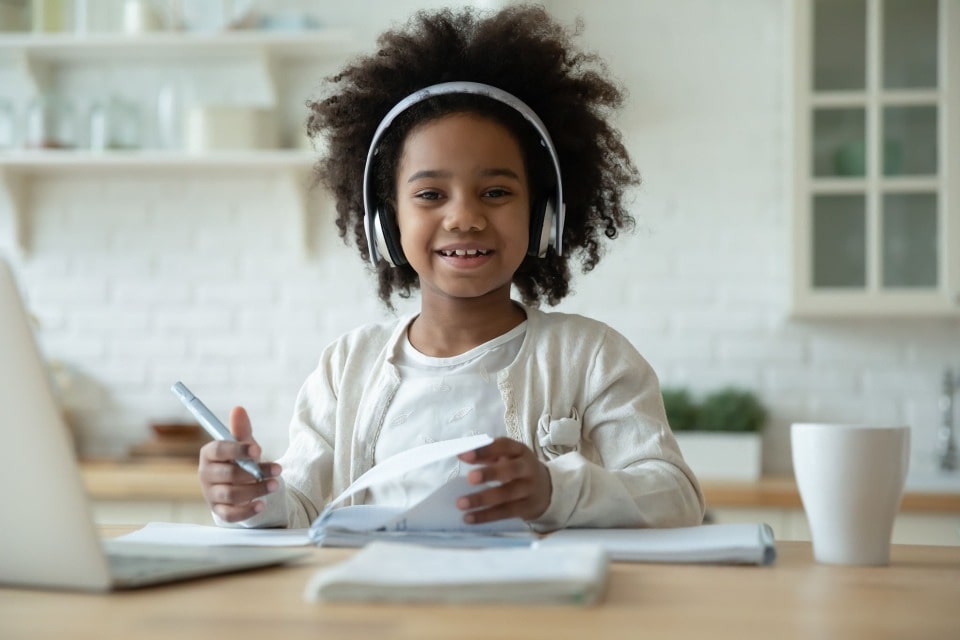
(212, 425)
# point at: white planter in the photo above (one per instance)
(721, 456)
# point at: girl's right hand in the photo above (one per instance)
(231, 492)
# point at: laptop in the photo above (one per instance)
(48, 538)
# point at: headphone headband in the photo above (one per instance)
(446, 88)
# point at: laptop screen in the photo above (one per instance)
(48, 538)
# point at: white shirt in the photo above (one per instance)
(442, 399)
(578, 394)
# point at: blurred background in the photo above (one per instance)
(155, 203)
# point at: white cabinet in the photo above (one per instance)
(876, 95)
(273, 72)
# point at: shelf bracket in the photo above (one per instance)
(268, 68)
(13, 235)
(37, 74)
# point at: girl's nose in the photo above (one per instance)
(464, 214)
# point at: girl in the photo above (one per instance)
(469, 155)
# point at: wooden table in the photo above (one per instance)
(916, 597)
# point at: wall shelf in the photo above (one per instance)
(38, 58)
(38, 162)
(174, 45)
(18, 168)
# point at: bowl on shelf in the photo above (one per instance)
(171, 440)
(180, 430)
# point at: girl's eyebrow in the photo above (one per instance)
(435, 173)
(506, 173)
(429, 173)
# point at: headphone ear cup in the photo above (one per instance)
(541, 227)
(388, 236)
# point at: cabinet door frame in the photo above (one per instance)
(944, 300)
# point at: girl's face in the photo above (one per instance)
(463, 206)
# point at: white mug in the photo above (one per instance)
(851, 480)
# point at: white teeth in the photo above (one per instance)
(464, 252)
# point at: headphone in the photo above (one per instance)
(546, 216)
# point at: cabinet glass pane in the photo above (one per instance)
(910, 240)
(838, 142)
(910, 141)
(909, 44)
(839, 45)
(839, 241)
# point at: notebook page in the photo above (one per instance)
(409, 460)
(748, 543)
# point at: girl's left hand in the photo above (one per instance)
(524, 487)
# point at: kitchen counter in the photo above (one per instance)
(167, 479)
(781, 492)
(177, 480)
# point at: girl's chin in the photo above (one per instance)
(463, 291)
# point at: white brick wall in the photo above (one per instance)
(142, 279)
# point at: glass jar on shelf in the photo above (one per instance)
(8, 125)
(113, 125)
(50, 123)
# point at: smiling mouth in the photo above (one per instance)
(470, 253)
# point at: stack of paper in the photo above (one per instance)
(386, 571)
(201, 534)
(709, 543)
(435, 520)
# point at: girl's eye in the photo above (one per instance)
(427, 195)
(496, 193)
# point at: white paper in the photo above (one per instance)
(205, 535)
(409, 460)
(746, 543)
(435, 520)
(436, 512)
(389, 571)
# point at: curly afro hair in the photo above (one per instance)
(522, 50)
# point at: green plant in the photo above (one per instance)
(681, 409)
(732, 409)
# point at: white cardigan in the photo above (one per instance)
(578, 394)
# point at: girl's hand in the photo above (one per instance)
(230, 491)
(524, 487)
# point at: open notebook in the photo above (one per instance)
(734, 543)
(435, 520)
(48, 538)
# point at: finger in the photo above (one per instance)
(514, 509)
(230, 513)
(215, 472)
(502, 471)
(494, 496)
(240, 426)
(229, 473)
(226, 451)
(240, 494)
(271, 469)
(499, 448)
